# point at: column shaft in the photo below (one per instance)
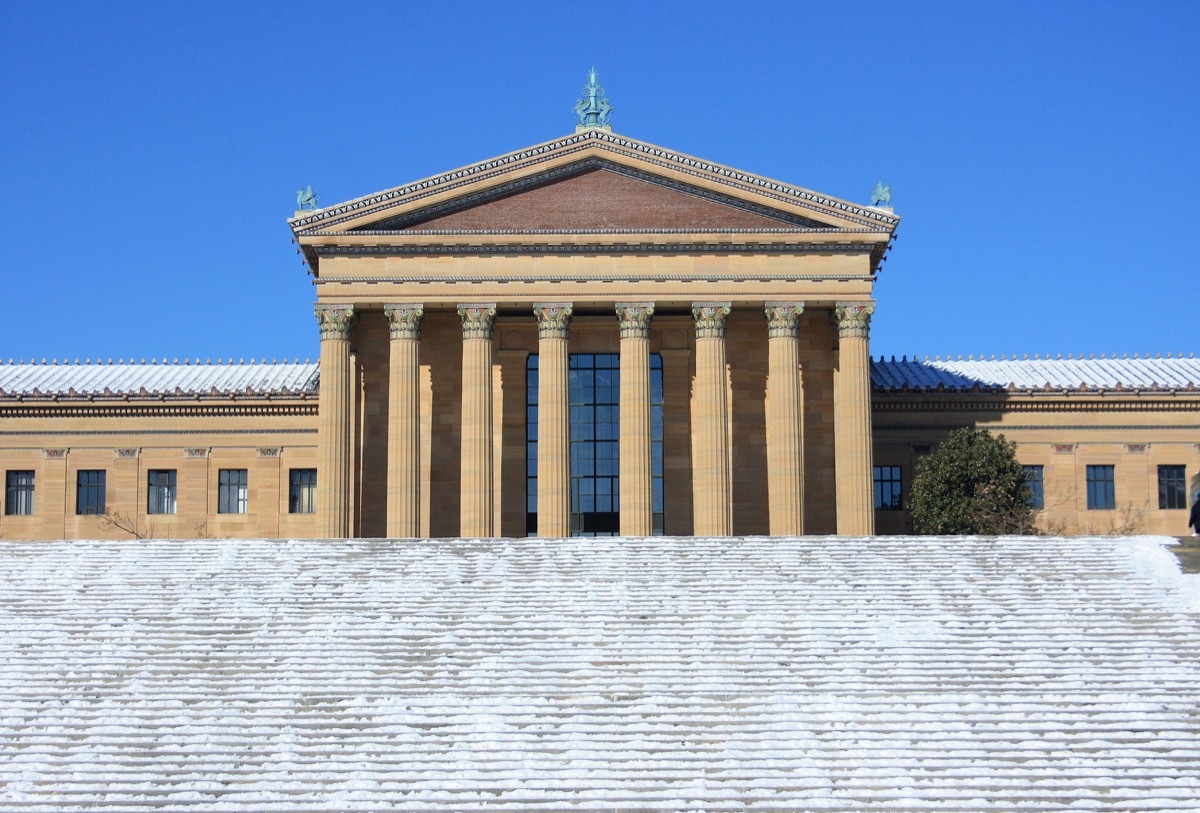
(636, 485)
(711, 484)
(475, 503)
(554, 425)
(785, 455)
(333, 423)
(852, 433)
(404, 422)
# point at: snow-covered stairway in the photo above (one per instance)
(822, 674)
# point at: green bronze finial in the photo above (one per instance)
(881, 195)
(593, 109)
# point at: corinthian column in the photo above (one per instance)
(636, 486)
(475, 503)
(553, 427)
(852, 421)
(333, 422)
(785, 461)
(404, 422)
(710, 422)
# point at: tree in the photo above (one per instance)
(972, 484)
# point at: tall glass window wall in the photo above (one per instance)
(594, 393)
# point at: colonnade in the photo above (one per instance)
(711, 472)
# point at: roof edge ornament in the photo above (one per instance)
(593, 109)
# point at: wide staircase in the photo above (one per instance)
(815, 674)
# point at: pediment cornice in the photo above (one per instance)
(752, 190)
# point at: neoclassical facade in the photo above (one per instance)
(593, 335)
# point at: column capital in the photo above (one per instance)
(710, 319)
(783, 319)
(477, 320)
(404, 321)
(854, 319)
(554, 319)
(635, 319)
(335, 321)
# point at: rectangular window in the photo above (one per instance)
(887, 488)
(1101, 489)
(18, 493)
(302, 491)
(1172, 487)
(160, 498)
(89, 491)
(1037, 493)
(232, 491)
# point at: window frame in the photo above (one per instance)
(891, 486)
(162, 491)
(1035, 481)
(19, 489)
(1101, 487)
(233, 491)
(1172, 482)
(302, 491)
(91, 492)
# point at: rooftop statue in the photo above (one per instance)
(306, 198)
(881, 195)
(593, 109)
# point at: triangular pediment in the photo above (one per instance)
(593, 195)
(592, 181)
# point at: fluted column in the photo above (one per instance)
(710, 421)
(475, 504)
(636, 485)
(404, 422)
(852, 420)
(554, 425)
(333, 422)
(785, 452)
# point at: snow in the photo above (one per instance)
(1037, 373)
(822, 674)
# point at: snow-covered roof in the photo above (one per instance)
(831, 674)
(174, 378)
(1112, 373)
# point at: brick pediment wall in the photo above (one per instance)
(599, 199)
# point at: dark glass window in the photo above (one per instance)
(90, 491)
(1101, 488)
(1037, 492)
(18, 493)
(1172, 487)
(232, 491)
(302, 491)
(161, 493)
(594, 393)
(531, 445)
(595, 397)
(888, 495)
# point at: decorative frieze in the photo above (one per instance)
(404, 321)
(783, 319)
(126, 454)
(1064, 448)
(634, 318)
(273, 452)
(854, 319)
(335, 321)
(554, 320)
(477, 320)
(1136, 448)
(55, 454)
(195, 453)
(710, 319)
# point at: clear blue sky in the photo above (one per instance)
(1043, 155)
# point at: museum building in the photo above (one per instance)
(593, 335)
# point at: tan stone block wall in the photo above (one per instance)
(1134, 433)
(91, 436)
